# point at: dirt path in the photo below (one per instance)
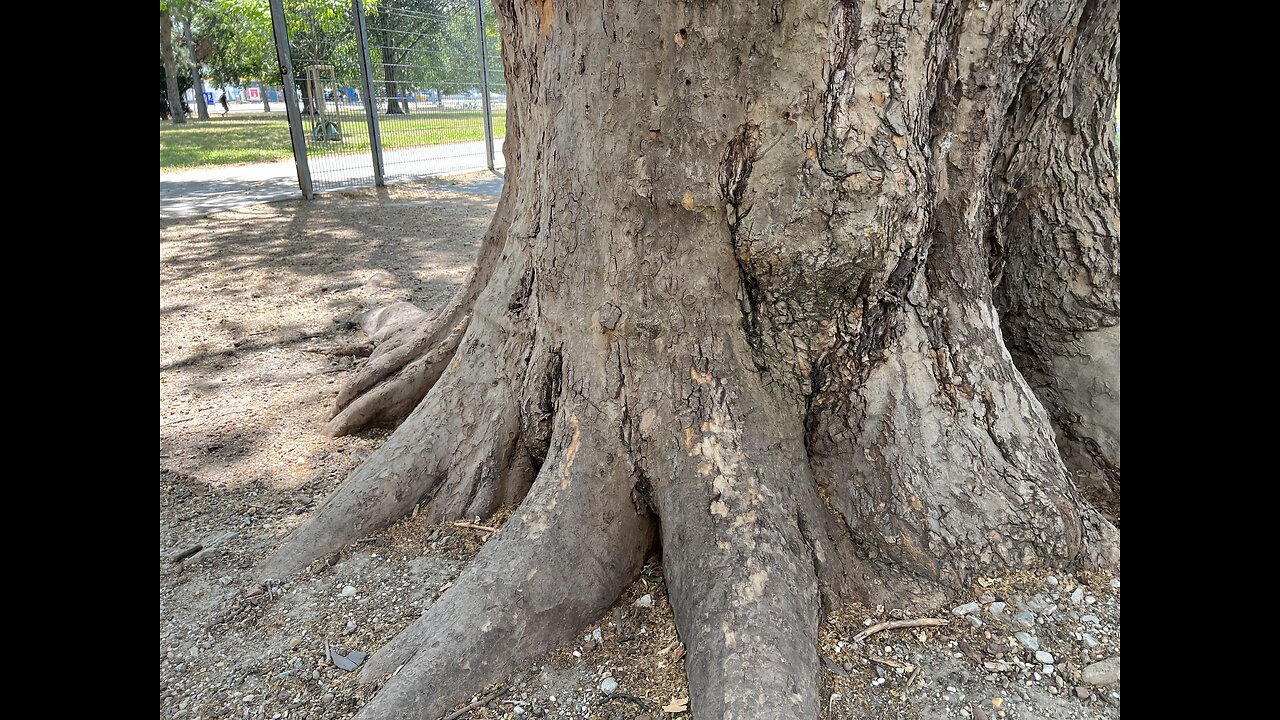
(254, 305)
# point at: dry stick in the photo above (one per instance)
(474, 526)
(895, 624)
(912, 678)
(479, 703)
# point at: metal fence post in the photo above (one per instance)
(296, 136)
(484, 82)
(366, 86)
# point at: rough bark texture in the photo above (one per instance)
(197, 80)
(266, 102)
(1056, 242)
(750, 282)
(170, 68)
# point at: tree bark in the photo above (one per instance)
(745, 284)
(197, 80)
(170, 68)
(266, 103)
(1056, 242)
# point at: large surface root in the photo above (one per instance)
(391, 385)
(567, 553)
(742, 546)
(464, 438)
(410, 352)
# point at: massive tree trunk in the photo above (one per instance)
(197, 80)
(743, 298)
(170, 68)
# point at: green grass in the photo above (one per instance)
(232, 140)
(261, 137)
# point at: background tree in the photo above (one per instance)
(197, 79)
(241, 45)
(403, 32)
(170, 65)
(749, 296)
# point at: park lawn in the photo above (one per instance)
(261, 137)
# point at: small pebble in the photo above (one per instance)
(609, 686)
(350, 628)
(1082, 692)
(1025, 618)
(997, 608)
(349, 591)
(644, 601)
(1077, 595)
(973, 620)
(1089, 640)
(1115, 584)
(1052, 580)
(1044, 657)
(966, 609)
(294, 643)
(1090, 618)
(249, 698)
(1028, 641)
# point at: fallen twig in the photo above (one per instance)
(895, 624)
(912, 678)
(474, 526)
(477, 704)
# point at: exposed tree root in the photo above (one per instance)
(464, 436)
(557, 564)
(411, 351)
(740, 567)
(391, 385)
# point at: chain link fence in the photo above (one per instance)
(391, 89)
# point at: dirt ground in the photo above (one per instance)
(254, 345)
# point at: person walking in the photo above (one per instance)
(225, 107)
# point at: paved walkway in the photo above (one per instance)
(191, 193)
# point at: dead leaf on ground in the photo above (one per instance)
(677, 705)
